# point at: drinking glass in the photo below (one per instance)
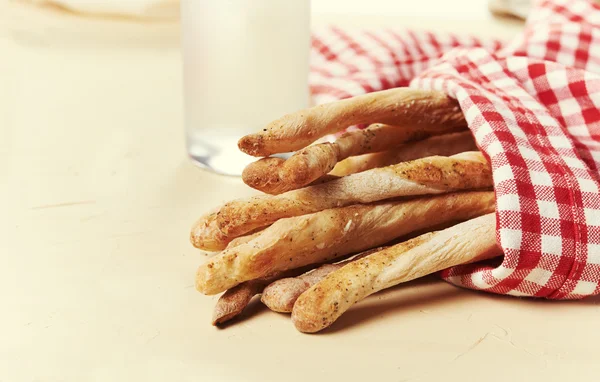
(245, 63)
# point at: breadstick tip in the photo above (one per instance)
(306, 315)
(280, 295)
(251, 144)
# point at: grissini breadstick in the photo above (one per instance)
(329, 234)
(276, 175)
(234, 300)
(205, 233)
(444, 145)
(324, 302)
(432, 175)
(280, 295)
(401, 106)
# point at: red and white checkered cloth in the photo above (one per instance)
(533, 107)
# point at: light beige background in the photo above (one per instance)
(97, 196)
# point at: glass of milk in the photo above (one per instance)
(245, 63)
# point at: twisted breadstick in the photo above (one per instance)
(276, 175)
(401, 106)
(431, 175)
(444, 145)
(324, 302)
(329, 234)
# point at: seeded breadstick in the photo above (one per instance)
(206, 235)
(324, 302)
(276, 175)
(280, 295)
(329, 234)
(432, 175)
(234, 300)
(404, 107)
(445, 145)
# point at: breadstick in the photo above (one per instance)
(323, 303)
(206, 235)
(276, 175)
(410, 108)
(329, 234)
(234, 300)
(445, 145)
(280, 295)
(432, 175)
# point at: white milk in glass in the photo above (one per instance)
(245, 64)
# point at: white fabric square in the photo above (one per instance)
(552, 244)
(494, 148)
(568, 40)
(540, 178)
(489, 67)
(483, 131)
(547, 120)
(579, 131)
(569, 106)
(528, 153)
(508, 202)
(558, 79)
(510, 238)
(574, 162)
(587, 185)
(539, 276)
(592, 216)
(560, 142)
(536, 50)
(548, 209)
(471, 113)
(584, 287)
(503, 173)
(593, 256)
(565, 58)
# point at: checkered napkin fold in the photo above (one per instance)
(533, 106)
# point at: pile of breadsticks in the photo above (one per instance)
(414, 173)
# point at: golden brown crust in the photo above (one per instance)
(275, 175)
(444, 145)
(234, 300)
(323, 303)
(404, 107)
(280, 295)
(423, 176)
(326, 235)
(206, 235)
